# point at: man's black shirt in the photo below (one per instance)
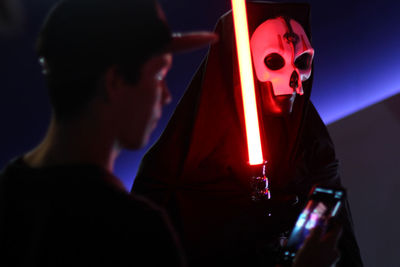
(79, 215)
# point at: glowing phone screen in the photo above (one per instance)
(322, 204)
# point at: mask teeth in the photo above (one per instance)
(300, 90)
(294, 81)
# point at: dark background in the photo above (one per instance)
(356, 64)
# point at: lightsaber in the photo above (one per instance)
(247, 82)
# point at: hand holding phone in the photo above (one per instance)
(315, 233)
(319, 249)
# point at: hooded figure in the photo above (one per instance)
(198, 169)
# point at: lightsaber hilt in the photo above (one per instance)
(260, 185)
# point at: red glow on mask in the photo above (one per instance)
(282, 55)
(247, 82)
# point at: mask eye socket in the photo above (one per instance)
(274, 61)
(303, 62)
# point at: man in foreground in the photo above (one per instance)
(104, 62)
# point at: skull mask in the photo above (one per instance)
(282, 57)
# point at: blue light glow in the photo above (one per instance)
(338, 194)
(336, 208)
(322, 190)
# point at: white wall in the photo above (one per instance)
(368, 147)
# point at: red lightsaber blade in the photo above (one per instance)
(247, 82)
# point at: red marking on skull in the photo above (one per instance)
(280, 42)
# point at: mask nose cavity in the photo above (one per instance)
(294, 80)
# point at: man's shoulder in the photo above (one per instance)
(142, 212)
(81, 192)
(81, 204)
(143, 202)
(74, 187)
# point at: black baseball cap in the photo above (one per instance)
(82, 34)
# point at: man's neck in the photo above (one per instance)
(81, 141)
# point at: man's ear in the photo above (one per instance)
(114, 83)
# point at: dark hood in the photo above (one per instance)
(204, 142)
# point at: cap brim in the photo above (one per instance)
(184, 42)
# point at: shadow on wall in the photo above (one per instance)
(368, 146)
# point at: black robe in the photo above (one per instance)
(198, 169)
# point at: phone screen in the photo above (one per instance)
(322, 204)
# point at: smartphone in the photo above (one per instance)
(323, 204)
